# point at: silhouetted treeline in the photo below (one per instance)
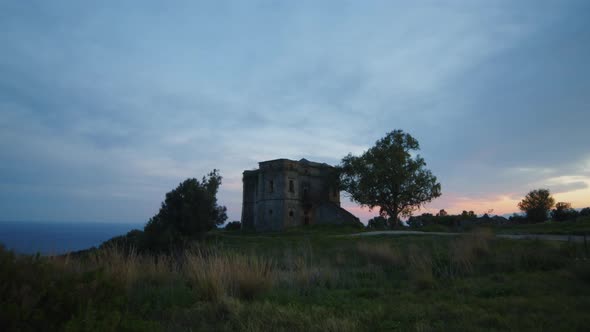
(466, 218)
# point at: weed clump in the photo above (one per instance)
(420, 268)
(380, 254)
(298, 271)
(464, 251)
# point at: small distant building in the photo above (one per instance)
(286, 193)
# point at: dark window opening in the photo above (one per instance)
(271, 186)
(270, 212)
(291, 213)
(291, 186)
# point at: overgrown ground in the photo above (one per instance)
(581, 226)
(306, 280)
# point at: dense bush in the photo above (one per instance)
(563, 211)
(39, 296)
(585, 211)
(516, 218)
(133, 239)
(443, 219)
(188, 211)
(233, 226)
(378, 222)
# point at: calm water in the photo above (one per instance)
(58, 237)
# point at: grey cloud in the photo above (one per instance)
(136, 95)
(562, 188)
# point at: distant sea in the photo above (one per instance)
(28, 237)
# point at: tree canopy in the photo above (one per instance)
(190, 209)
(389, 177)
(536, 204)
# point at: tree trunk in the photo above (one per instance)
(393, 214)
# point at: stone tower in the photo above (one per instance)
(285, 193)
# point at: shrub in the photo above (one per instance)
(133, 239)
(378, 222)
(440, 219)
(40, 296)
(585, 212)
(517, 218)
(563, 211)
(233, 226)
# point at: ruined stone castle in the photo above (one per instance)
(285, 193)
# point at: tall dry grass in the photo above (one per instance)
(128, 266)
(465, 250)
(216, 274)
(298, 270)
(420, 268)
(124, 266)
(380, 254)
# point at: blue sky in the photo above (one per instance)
(107, 105)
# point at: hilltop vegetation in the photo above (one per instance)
(311, 279)
(578, 225)
(390, 176)
(181, 273)
(186, 214)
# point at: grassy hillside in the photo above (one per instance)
(305, 280)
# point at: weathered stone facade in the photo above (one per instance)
(285, 193)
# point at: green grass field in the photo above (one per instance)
(309, 279)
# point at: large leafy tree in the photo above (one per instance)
(536, 204)
(189, 210)
(389, 177)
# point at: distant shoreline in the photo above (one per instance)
(58, 237)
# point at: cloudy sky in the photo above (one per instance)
(107, 105)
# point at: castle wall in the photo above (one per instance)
(285, 193)
(249, 197)
(270, 204)
(331, 213)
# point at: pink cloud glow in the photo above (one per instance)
(455, 203)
